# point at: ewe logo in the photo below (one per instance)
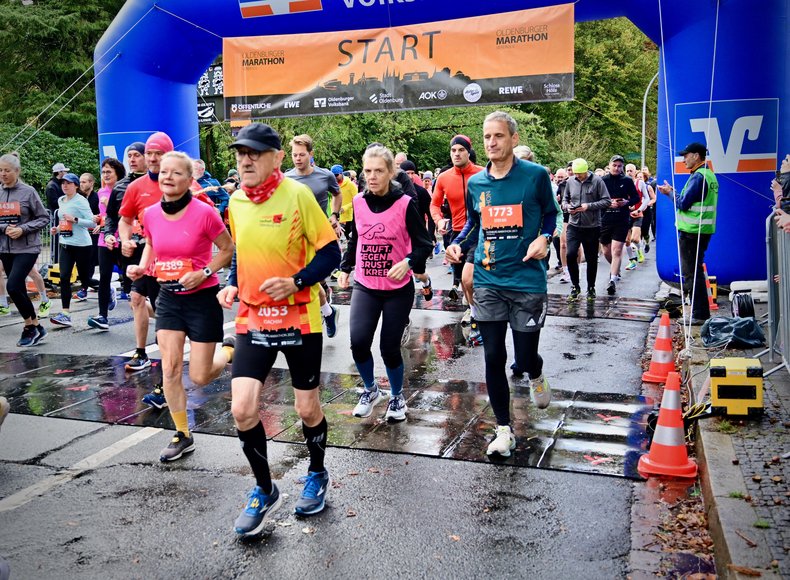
(255, 8)
(741, 136)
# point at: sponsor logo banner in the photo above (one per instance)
(514, 57)
(741, 135)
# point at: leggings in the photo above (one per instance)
(107, 261)
(588, 239)
(526, 344)
(69, 256)
(17, 267)
(647, 221)
(367, 306)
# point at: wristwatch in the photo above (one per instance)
(207, 271)
(336, 214)
(298, 282)
(548, 237)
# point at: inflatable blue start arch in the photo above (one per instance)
(723, 80)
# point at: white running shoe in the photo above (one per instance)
(404, 339)
(396, 409)
(504, 442)
(367, 400)
(466, 319)
(541, 392)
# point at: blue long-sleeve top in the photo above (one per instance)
(695, 191)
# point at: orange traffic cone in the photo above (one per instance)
(711, 303)
(668, 455)
(663, 361)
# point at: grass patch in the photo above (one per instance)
(726, 427)
(762, 524)
(737, 495)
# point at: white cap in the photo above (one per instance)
(58, 167)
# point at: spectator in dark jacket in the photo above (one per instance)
(211, 186)
(53, 193)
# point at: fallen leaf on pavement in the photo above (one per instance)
(744, 570)
(351, 513)
(63, 371)
(308, 530)
(353, 472)
(374, 470)
(455, 538)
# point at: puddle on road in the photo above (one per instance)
(580, 431)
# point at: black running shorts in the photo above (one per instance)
(199, 314)
(304, 361)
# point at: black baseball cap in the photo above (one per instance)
(619, 158)
(694, 148)
(259, 137)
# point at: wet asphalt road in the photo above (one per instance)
(388, 514)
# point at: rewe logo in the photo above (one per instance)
(255, 8)
(741, 136)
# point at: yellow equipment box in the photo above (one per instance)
(54, 274)
(736, 386)
(714, 287)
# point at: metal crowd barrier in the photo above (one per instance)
(778, 262)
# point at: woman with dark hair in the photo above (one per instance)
(22, 217)
(112, 171)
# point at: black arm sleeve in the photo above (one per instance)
(350, 255)
(421, 244)
(113, 207)
(232, 275)
(322, 265)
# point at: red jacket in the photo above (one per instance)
(452, 185)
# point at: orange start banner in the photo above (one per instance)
(514, 57)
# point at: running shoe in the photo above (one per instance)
(540, 392)
(313, 498)
(42, 332)
(81, 295)
(427, 291)
(565, 279)
(61, 319)
(611, 289)
(574, 295)
(453, 293)
(5, 408)
(590, 294)
(504, 442)
(404, 339)
(29, 335)
(466, 319)
(113, 300)
(367, 400)
(156, 398)
(44, 308)
(558, 268)
(396, 409)
(138, 362)
(475, 338)
(331, 322)
(259, 508)
(125, 296)
(631, 265)
(4, 310)
(517, 371)
(647, 247)
(178, 445)
(640, 255)
(99, 322)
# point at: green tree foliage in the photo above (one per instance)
(46, 46)
(424, 135)
(46, 149)
(614, 63)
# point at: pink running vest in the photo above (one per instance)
(382, 241)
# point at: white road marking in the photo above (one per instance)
(28, 494)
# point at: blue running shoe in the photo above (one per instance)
(113, 300)
(99, 322)
(29, 336)
(331, 322)
(60, 319)
(42, 332)
(313, 498)
(156, 398)
(81, 295)
(125, 296)
(259, 508)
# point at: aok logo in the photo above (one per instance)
(255, 8)
(741, 136)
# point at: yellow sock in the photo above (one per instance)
(181, 421)
(228, 350)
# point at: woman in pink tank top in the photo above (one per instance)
(389, 243)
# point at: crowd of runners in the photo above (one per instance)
(181, 246)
